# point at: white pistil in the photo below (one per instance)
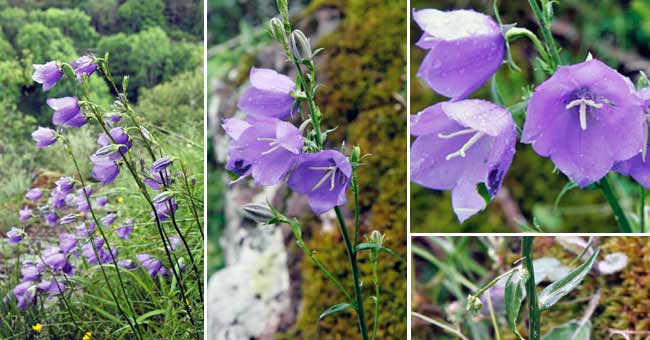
(273, 143)
(583, 103)
(472, 140)
(330, 173)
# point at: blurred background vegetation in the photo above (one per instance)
(158, 43)
(616, 32)
(363, 67)
(441, 263)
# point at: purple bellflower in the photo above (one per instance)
(125, 229)
(25, 214)
(104, 170)
(44, 136)
(67, 112)
(324, 177)
(165, 209)
(269, 95)
(465, 49)
(155, 181)
(65, 184)
(578, 118)
(34, 194)
(51, 218)
(120, 137)
(151, 264)
(57, 198)
(127, 264)
(67, 242)
(47, 74)
(638, 167)
(268, 148)
(108, 219)
(15, 235)
(161, 164)
(83, 66)
(101, 201)
(458, 146)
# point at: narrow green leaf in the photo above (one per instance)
(147, 315)
(567, 187)
(558, 289)
(335, 309)
(568, 331)
(514, 296)
(366, 246)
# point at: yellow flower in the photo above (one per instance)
(37, 327)
(87, 336)
(187, 301)
(120, 199)
(135, 227)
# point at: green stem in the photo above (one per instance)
(545, 27)
(619, 214)
(642, 209)
(375, 279)
(355, 193)
(314, 113)
(517, 32)
(191, 198)
(534, 328)
(355, 273)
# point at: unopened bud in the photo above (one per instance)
(257, 212)
(299, 46)
(355, 157)
(474, 303)
(163, 197)
(377, 238)
(107, 151)
(277, 30)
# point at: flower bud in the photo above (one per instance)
(277, 30)
(163, 197)
(474, 303)
(107, 151)
(299, 46)
(355, 157)
(377, 238)
(257, 212)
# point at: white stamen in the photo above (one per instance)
(475, 138)
(455, 134)
(273, 143)
(583, 103)
(330, 173)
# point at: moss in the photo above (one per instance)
(364, 66)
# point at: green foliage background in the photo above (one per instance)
(605, 30)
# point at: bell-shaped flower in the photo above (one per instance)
(268, 149)
(324, 177)
(25, 214)
(460, 145)
(34, 194)
(65, 184)
(151, 264)
(269, 94)
(465, 49)
(104, 169)
(585, 118)
(84, 66)
(67, 242)
(125, 229)
(44, 137)
(638, 167)
(66, 112)
(47, 74)
(121, 138)
(15, 235)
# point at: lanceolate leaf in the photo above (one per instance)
(335, 309)
(514, 296)
(570, 331)
(365, 246)
(556, 290)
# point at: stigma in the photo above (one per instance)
(583, 103)
(477, 135)
(330, 174)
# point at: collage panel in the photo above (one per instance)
(531, 287)
(528, 116)
(307, 166)
(101, 169)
